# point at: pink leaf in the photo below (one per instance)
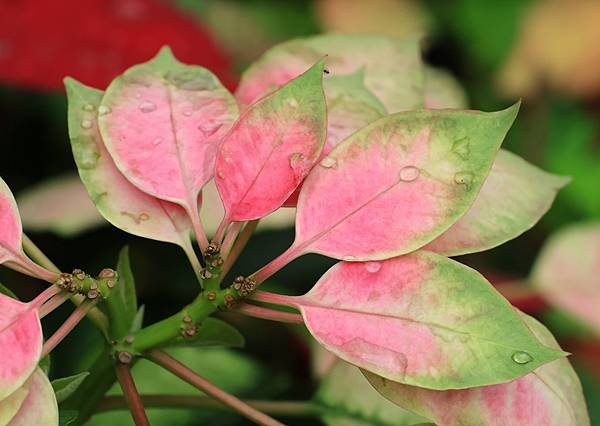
(512, 199)
(397, 184)
(271, 148)
(421, 319)
(567, 272)
(11, 231)
(119, 201)
(549, 396)
(392, 66)
(39, 407)
(164, 127)
(21, 343)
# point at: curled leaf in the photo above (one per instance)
(395, 185)
(271, 148)
(39, 407)
(551, 395)
(421, 319)
(21, 343)
(165, 122)
(513, 198)
(567, 272)
(392, 67)
(119, 201)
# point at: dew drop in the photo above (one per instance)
(103, 110)
(372, 267)
(89, 107)
(329, 162)
(147, 106)
(221, 174)
(86, 124)
(143, 217)
(227, 160)
(298, 164)
(409, 173)
(349, 258)
(461, 148)
(210, 129)
(292, 102)
(138, 96)
(187, 113)
(463, 178)
(521, 357)
(157, 141)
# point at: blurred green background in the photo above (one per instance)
(545, 52)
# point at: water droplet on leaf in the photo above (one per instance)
(292, 102)
(409, 173)
(461, 148)
(103, 110)
(329, 162)
(86, 124)
(372, 266)
(221, 174)
(89, 107)
(521, 357)
(147, 106)
(299, 164)
(187, 113)
(210, 129)
(463, 178)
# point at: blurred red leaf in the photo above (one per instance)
(95, 40)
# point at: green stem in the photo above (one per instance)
(171, 364)
(278, 408)
(96, 316)
(131, 395)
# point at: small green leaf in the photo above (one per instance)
(346, 398)
(138, 320)
(67, 417)
(7, 292)
(66, 386)
(122, 302)
(214, 332)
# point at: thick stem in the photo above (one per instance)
(66, 327)
(269, 314)
(281, 408)
(52, 304)
(276, 264)
(171, 364)
(131, 395)
(238, 247)
(273, 298)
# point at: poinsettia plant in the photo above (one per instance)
(388, 173)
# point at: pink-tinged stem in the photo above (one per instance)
(276, 264)
(66, 327)
(221, 230)
(171, 364)
(52, 304)
(238, 247)
(273, 298)
(230, 238)
(48, 271)
(198, 228)
(131, 395)
(269, 314)
(45, 296)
